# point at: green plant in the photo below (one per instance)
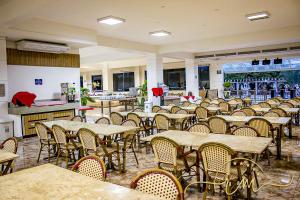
(85, 97)
(143, 89)
(227, 84)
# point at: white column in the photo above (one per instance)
(3, 77)
(105, 77)
(154, 72)
(191, 74)
(137, 76)
(216, 80)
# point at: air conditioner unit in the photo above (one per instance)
(29, 45)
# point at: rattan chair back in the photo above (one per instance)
(116, 118)
(102, 120)
(249, 111)
(10, 145)
(59, 135)
(201, 128)
(88, 140)
(217, 125)
(159, 183)
(245, 131)
(162, 122)
(91, 166)
(262, 126)
(77, 118)
(41, 131)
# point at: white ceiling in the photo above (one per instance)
(196, 25)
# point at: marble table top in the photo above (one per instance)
(242, 144)
(7, 156)
(152, 115)
(272, 120)
(52, 182)
(100, 129)
(288, 110)
(193, 108)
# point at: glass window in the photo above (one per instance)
(81, 81)
(175, 78)
(97, 82)
(203, 75)
(123, 81)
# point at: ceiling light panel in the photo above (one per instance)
(258, 16)
(111, 20)
(160, 33)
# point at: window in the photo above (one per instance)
(203, 74)
(123, 81)
(81, 81)
(175, 78)
(97, 82)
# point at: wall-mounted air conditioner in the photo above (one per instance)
(29, 45)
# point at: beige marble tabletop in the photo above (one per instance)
(288, 110)
(272, 120)
(100, 129)
(152, 115)
(52, 182)
(7, 156)
(192, 109)
(242, 144)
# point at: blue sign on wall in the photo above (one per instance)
(38, 81)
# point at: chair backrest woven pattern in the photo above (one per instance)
(182, 111)
(262, 126)
(204, 104)
(245, 131)
(102, 120)
(186, 103)
(199, 128)
(279, 111)
(88, 139)
(41, 131)
(201, 113)
(249, 111)
(116, 118)
(155, 108)
(163, 111)
(162, 122)
(137, 119)
(77, 119)
(217, 125)
(160, 184)
(91, 166)
(224, 106)
(174, 109)
(271, 114)
(165, 150)
(264, 105)
(59, 134)
(10, 145)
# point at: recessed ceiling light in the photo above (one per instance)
(111, 20)
(160, 33)
(257, 16)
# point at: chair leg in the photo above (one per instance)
(124, 160)
(67, 158)
(58, 154)
(137, 162)
(39, 153)
(256, 180)
(119, 161)
(49, 149)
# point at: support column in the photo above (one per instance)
(216, 80)
(3, 78)
(105, 77)
(154, 72)
(137, 76)
(191, 74)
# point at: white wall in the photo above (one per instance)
(3, 76)
(216, 80)
(21, 78)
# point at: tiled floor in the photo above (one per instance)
(279, 171)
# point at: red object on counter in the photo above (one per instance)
(158, 92)
(81, 108)
(188, 97)
(23, 98)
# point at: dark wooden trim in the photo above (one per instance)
(31, 58)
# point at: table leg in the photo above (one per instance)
(7, 167)
(109, 106)
(290, 129)
(102, 107)
(278, 138)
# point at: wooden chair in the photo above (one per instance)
(201, 128)
(271, 114)
(9, 145)
(264, 105)
(216, 158)
(217, 125)
(163, 111)
(225, 108)
(128, 139)
(237, 113)
(204, 104)
(43, 132)
(77, 118)
(286, 105)
(201, 114)
(174, 109)
(280, 112)
(186, 103)
(171, 157)
(262, 126)
(249, 111)
(155, 109)
(65, 147)
(138, 110)
(116, 118)
(159, 183)
(91, 166)
(94, 145)
(220, 100)
(247, 101)
(102, 120)
(162, 122)
(245, 131)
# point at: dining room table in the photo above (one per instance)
(6, 158)
(192, 109)
(51, 182)
(275, 121)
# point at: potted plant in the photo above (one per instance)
(143, 94)
(227, 85)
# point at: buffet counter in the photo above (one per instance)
(25, 117)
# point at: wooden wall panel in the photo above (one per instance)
(31, 58)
